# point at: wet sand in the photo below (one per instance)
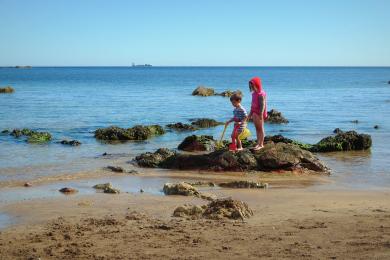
(292, 219)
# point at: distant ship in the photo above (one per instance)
(140, 65)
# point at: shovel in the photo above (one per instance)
(220, 143)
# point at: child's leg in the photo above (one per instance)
(238, 142)
(259, 125)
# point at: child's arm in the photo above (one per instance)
(262, 106)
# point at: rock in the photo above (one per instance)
(274, 156)
(138, 132)
(27, 184)
(346, 141)
(275, 117)
(191, 211)
(133, 172)
(32, 136)
(5, 131)
(68, 190)
(181, 188)
(227, 93)
(102, 186)
(7, 90)
(227, 208)
(141, 191)
(337, 131)
(282, 139)
(71, 143)
(243, 185)
(205, 123)
(201, 183)
(182, 127)
(376, 126)
(105, 154)
(355, 121)
(115, 168)
(23, 67)
(111, 190)
(203, 91)
(388, 82)
(195, 143)
(153, 160)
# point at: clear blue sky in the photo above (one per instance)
(197, 32)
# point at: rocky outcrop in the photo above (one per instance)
(7, 90)
(138, 132)
(228, 93)
(115, 168)
(346, 141)
(274, 156)
(337, 131)
(195, 143)
(217, 209)
(203, 91)
(275, 117)
(243, 185)
(32, 136)
(181, 127)
(154, 160)
(70, 142)
(205, 123)
(106, 188)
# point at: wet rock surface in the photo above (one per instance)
(6, 90)
(345, 141)
(111, 190)
(217, 209)
(205, 123)
(337, 131)
(276, 117)
(203, 91)
(115, 168)
(154, 160)
(102, 186)
(182, 127)
(68, 190)
(181, 188)
(138, 132)
(243, 185)
(70, 142)
(274, 156)
(198, 143)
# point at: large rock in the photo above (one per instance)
(198, 143)
(32, 136)
(274, 156)
(181, 188)
(182, 127)
(154, 160)
(138, 132)
(216, 209)
(205, 123)
(276, 117)
(228, 93)
(243, 185)
(203, 91)
(7, 90)
(70, 142)
(346, 141)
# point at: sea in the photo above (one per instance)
(72, 102)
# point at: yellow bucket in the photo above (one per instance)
(244, 134)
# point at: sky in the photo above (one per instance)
(195, 32)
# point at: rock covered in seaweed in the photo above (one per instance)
(138, 132)
(198, 143)
(32, 136)
(182, 127)
(7, 90)
(181, 188)
(274, 156)
(70, 142)
(205, 123)
(154, 160)
(276, 117)
(344, 141)
(203, 91)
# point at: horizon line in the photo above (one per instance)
(198, 66)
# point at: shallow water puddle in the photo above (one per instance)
(5, 220)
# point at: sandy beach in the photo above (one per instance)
(297, 217)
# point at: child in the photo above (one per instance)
(239, 119)
(258, 110)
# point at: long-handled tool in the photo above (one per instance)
(220, 143)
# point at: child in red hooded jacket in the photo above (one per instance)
(258, 110)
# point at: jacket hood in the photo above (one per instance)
(256, 81)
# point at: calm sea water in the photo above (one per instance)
(72, 102)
